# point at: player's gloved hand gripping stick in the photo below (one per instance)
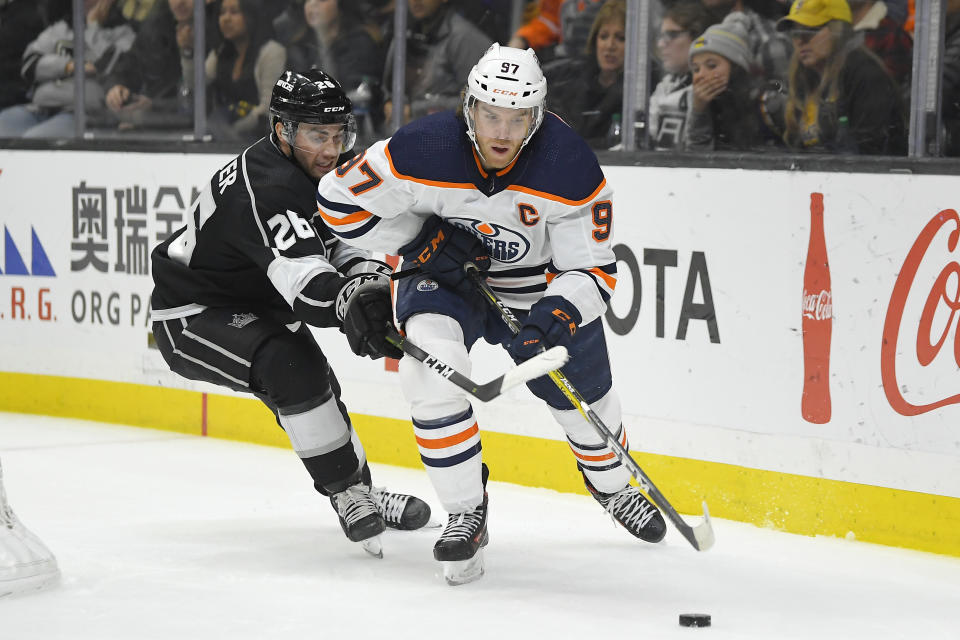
(440, 250)
(701, 536)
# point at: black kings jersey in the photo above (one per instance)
(249, 240)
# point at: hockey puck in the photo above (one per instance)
(694, 619)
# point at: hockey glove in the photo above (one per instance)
(363, 305)
(552, 321)
(442, 249)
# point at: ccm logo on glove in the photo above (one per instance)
(441, 250)
(552, 321)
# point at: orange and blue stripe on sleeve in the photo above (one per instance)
(604, 276)
(345, 220)
(448, 441)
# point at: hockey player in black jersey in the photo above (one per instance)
(236, 287)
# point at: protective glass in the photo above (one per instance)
(313, 138)
(501, 123)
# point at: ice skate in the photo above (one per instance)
(460, 547)
(633, 511)
(401, 511)
(360, 518)
(26, 564)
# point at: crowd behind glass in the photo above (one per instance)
(823, 76)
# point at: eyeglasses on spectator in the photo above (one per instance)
(669, 35)
(803, 35)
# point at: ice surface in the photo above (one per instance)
(163, 536)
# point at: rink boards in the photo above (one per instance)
(704, 332)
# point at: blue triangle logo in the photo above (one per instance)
(14, 263)
(39, 262)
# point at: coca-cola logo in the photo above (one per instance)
(940, 302)
(818, 306)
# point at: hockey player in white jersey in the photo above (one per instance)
(513, 189)
(236, 287)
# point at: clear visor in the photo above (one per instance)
(501, 123)
(333, 138)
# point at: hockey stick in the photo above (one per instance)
(535, 367)
(701, 536)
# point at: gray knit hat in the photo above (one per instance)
(728, 39)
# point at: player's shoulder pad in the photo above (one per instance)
(431, 148)
(561, 162)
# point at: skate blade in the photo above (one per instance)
(23, 586)
(459, 572)
(373, 546)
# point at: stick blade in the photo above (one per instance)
(539, 365)
(703, 532)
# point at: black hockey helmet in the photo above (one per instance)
(312, 97)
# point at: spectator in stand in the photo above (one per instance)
(670, 101)
(560, 28)
(150, 87)
(48, 65)
(491, 16)
(241, 72)
(587, 91)
(333, 35)
(20, 23)
(540, 31)
(769, 50)
(841, 98)
(725, 97)
(885, 37)
(442, 47)
(951, 80)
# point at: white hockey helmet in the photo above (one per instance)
(506, 77)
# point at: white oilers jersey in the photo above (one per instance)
(546, 220)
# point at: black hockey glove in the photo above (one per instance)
(552, 321)
(363, 305)
(441, 249)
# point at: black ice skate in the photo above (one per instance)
(459, 547)
(401, 511)
(360, 518)
(633, 511)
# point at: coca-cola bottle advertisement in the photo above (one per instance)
(817, 321)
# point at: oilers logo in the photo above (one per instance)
(427, 285)
(504, 244)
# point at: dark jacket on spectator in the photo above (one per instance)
(152, 67)
(951, 86)
(574, 94)
(20, 23)
(440, 53)
(872, 107)
(887, 39)
(353, 55)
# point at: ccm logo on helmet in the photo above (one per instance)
(505, 92)
(329, 109)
